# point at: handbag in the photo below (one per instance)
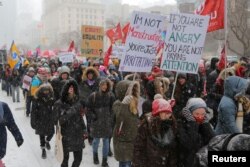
(58, 144)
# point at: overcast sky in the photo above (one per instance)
(35, 6)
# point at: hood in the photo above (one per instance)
(106, 80)
(43, 87)
(234, 85)
(90, 69)
(226, 73)
(131, 77)
(64, 93)
(152, 87)
(127, 87)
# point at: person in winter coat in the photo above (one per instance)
(69, 114)
(42, 117)
(57, 83)
(31, 73)
(15, 80)
(155, 144)
(126, 125)
(193, 131)
(7, 76)
(7, 120)
(184, 91)
(88, 85)
(100, 108)
(233, 87)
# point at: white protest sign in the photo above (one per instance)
(66, 57)
(143, 38)
(184, 42)
(118, 51)
(26, 82)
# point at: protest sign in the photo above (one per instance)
(184, 42)
(92, 41)
(118, 51)
(67, 57)
(26, 82)
(143, 39)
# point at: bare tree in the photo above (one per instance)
(237, 18)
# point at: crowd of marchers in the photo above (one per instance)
(152, 120)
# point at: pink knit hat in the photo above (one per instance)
(161, 105)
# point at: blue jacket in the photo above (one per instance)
(227, 109)
(7, 121)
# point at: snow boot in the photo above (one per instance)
(47, 145)
(44, 155)
(96, 159)
(110, 154)
(104, 162)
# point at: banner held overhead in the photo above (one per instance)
(184, 42)
(143, 39)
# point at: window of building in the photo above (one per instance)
(86, 16)
(90, 16)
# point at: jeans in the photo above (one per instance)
(125, 164)
(15, 93)
(43, 140)
(28, 104)
(105, 149)
(77, 158)
(8, 88)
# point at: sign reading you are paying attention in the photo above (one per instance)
(184, 42)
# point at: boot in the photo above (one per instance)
(110, 154)
(47, 145)
(44, 155)
(96, 160)
(104, 162)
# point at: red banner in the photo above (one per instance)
(215, 9)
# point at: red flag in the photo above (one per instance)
(215, 9)
(125, 32)
(71, 46)
(222, 61)
(118, 32)
(107, 56)
(110, 34)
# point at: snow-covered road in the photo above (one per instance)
(29, 154)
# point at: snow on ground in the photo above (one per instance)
(29, 154)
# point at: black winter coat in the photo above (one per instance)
(70, 119)
(42, 115)
(191, 137)
(100, 108)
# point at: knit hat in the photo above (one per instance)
(160, 105)
(64, 69)
(31, 69)
(195, 103)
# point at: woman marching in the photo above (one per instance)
(155, 143)
(69, 114)
(42, 117)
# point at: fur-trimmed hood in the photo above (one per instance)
(226, 73)
(90, 69)
(153, 87)
(65, 89)
(126, 87)
(43, 87)
(105, 80)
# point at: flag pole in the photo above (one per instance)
(226, 31)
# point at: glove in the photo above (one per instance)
(172, 102)
(19, 142)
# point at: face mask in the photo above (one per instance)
(199, 120)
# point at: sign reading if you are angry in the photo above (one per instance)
(144, 36)
(184, 42)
